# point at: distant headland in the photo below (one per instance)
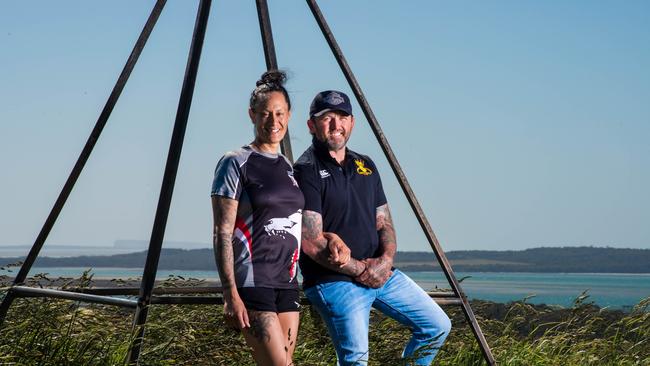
(544, 259)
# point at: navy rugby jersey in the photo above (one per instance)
(266, 240)
(347, 197)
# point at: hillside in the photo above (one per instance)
(564, 259)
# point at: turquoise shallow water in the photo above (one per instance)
(605, 289)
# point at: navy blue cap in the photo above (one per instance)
(329, 100)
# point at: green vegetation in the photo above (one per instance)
(41, 331)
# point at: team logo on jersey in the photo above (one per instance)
(284, 226)
(293, 180)
(361, 169)
(324, 173)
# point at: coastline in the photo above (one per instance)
(614, 291)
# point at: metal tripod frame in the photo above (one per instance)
(148, 295)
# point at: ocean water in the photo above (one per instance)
(604, 289)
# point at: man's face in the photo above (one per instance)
(333, 128)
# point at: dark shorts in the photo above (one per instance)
(270, 299)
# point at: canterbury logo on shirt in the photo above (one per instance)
(324, 173)
(361, 169)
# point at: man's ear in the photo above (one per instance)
(311, 125)
(251, 114)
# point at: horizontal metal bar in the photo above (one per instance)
(442, 294)
(187, 300)
(125, 291)
(447, 301)
(101, 295)
(196, 290)
(24, 291)
(218, 300)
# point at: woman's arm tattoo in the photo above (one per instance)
(224, 213)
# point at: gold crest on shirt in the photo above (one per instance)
(361, 169)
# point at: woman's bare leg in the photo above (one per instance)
(289, 322)
(267, 339)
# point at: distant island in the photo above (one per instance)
(545, 259)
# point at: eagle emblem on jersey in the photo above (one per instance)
(361, 169)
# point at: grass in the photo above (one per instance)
(39, 331)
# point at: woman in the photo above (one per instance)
(257, 211)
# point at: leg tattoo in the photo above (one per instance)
(260, 322)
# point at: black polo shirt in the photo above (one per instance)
(347, 197)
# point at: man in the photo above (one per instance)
(344, 195)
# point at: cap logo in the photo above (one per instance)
(334, 98)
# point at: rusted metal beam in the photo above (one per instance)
(169, 177)
(103, 295)
(24, 291)
(218, 300)
(271, 61)
(126, 291)
(85, 153)
(401, 178)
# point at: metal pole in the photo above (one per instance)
(25, 291)
(401, 178)
(267, 34)
(85, 154)
(271, 61)
(169, 178)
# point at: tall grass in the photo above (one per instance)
(40, 331)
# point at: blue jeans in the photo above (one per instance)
(345, 308)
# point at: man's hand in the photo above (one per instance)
(339, 253)
(377, 272)
(235, 313)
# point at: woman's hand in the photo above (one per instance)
(234, 312)
(339, 251)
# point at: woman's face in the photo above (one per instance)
(271, 119)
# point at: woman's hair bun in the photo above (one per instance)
(272, 77)
(270, 81)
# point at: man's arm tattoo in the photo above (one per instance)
(386, 229)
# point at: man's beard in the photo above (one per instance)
(330, 143)
(336, 146)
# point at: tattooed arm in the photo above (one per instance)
(324, 248)
(224, 213)
(378, 270)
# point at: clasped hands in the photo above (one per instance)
(376, 272)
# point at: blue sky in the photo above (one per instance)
(518, 123)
